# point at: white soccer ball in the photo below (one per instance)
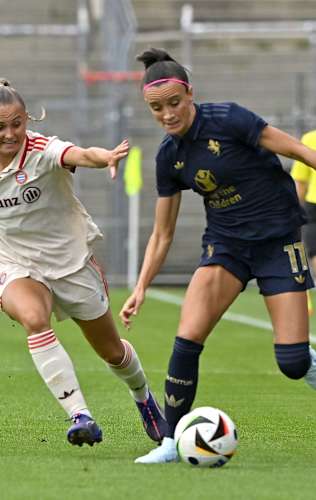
(206, 437)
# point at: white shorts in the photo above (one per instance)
(81, 295)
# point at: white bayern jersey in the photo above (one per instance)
(43, 225)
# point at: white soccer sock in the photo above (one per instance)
(55, 367)
(131, 371)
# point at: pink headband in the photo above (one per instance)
(162, 80)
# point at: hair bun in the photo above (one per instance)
(5, 82)
(151, 56)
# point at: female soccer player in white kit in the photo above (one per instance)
(47, 264)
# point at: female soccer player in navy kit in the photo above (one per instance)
(47, 264)
(226, 154)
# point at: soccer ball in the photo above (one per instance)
(206, 437)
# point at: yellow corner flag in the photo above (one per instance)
(133, 171)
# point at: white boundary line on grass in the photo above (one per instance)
(228, 316)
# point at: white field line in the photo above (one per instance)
(228, 316)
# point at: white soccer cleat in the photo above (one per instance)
(164, 454)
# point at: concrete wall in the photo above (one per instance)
(261, 74)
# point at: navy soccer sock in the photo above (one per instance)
(294, 360)
(181, 381)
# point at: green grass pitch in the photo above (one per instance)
(275, 417)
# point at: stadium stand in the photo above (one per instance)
(273, 75)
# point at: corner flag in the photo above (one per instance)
(133, 171)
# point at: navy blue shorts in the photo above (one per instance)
(279, 265)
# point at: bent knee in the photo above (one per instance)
(34, 321)
(293, 359)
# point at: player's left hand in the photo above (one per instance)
(131, 307)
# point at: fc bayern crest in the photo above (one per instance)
(21, 177)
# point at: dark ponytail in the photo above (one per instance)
(159, 64)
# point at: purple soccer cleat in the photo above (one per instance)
(154, 421)
(84, 430)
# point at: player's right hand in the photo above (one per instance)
(131, 307)
(117, 154)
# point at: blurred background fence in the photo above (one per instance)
(77, 59)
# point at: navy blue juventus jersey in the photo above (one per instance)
(247, 194)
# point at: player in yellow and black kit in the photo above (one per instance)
(305, 180)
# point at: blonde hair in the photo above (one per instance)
(9, 95)
(40, 119)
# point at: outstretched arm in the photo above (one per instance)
(156, 251)
(280, 142)
(97, 157)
